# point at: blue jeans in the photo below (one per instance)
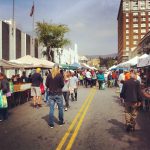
(59, 100)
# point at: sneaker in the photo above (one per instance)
(66, 109)
(51, 125)
(61, 123)
(129, 128)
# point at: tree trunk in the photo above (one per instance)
(48, 53)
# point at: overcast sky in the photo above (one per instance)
(93, 23)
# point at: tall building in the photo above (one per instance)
(14, 43)
(133, 24)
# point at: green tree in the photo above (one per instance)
(52, 36)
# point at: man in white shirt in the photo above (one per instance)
(88, 76)
(73, 86)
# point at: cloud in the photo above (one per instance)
(93, 23)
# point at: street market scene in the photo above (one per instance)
(74, 79)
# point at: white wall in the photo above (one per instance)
(12, 42)
(32, 46)
(23, 44)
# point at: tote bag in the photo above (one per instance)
(3, 100)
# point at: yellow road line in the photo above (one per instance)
(63, 140)
(74, 135)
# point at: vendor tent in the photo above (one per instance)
(131, 62)
(8, 65)
(32, 62)
(85, 66)
(143, 61)
(113, 67)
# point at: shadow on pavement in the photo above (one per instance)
(117, 129)
(46, 118)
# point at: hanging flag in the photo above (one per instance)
(32, 11)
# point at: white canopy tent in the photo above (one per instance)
(32, 62)
(143, 61)
(129, 63)
(113, 67)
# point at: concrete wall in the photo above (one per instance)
(23, 44)
(12, 42)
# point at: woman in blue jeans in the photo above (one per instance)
(55, 83)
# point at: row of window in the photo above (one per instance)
(137, 25)
(138, 13)
(137, 31)
(136, 19)
(135, 5)
(135, 37)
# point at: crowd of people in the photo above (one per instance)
(57, 85)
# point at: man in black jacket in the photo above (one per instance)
(131, 93)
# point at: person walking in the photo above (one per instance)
(36, 80)
(4, 87)
(66, 89)
(101, 79)
(55, 83)
(88, 76)
(73, 86)
(131, 93)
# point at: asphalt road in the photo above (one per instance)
(94, 122)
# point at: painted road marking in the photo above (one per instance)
(63, 140)
(74, 135)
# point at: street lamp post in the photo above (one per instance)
(59, 53)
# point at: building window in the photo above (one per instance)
(127, 49)
(135, 19)
(127, 42)
(142, 36)
(135, 25)
(143, 31)
(149, 25)
(127, 25)
(127, 31)
(135, 31)
(148, 19)
(143, 5)
(135, 5)
(127, 37)
(135, 14)
(143, 19)
(143, 14)
(135, 37)
(135, 42)
(127, 14)
(148, 6)
(143, 25)
(127, 20)
(127, 54)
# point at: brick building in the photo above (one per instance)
(133, 24)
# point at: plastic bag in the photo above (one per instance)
(3, 100)
(42, 88)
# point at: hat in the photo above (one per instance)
(38, 70)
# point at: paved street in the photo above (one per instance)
(99, 126)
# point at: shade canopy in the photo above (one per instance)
(144, 61)
(32, 62)
(8, 65)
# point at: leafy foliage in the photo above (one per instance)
(51, 36)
